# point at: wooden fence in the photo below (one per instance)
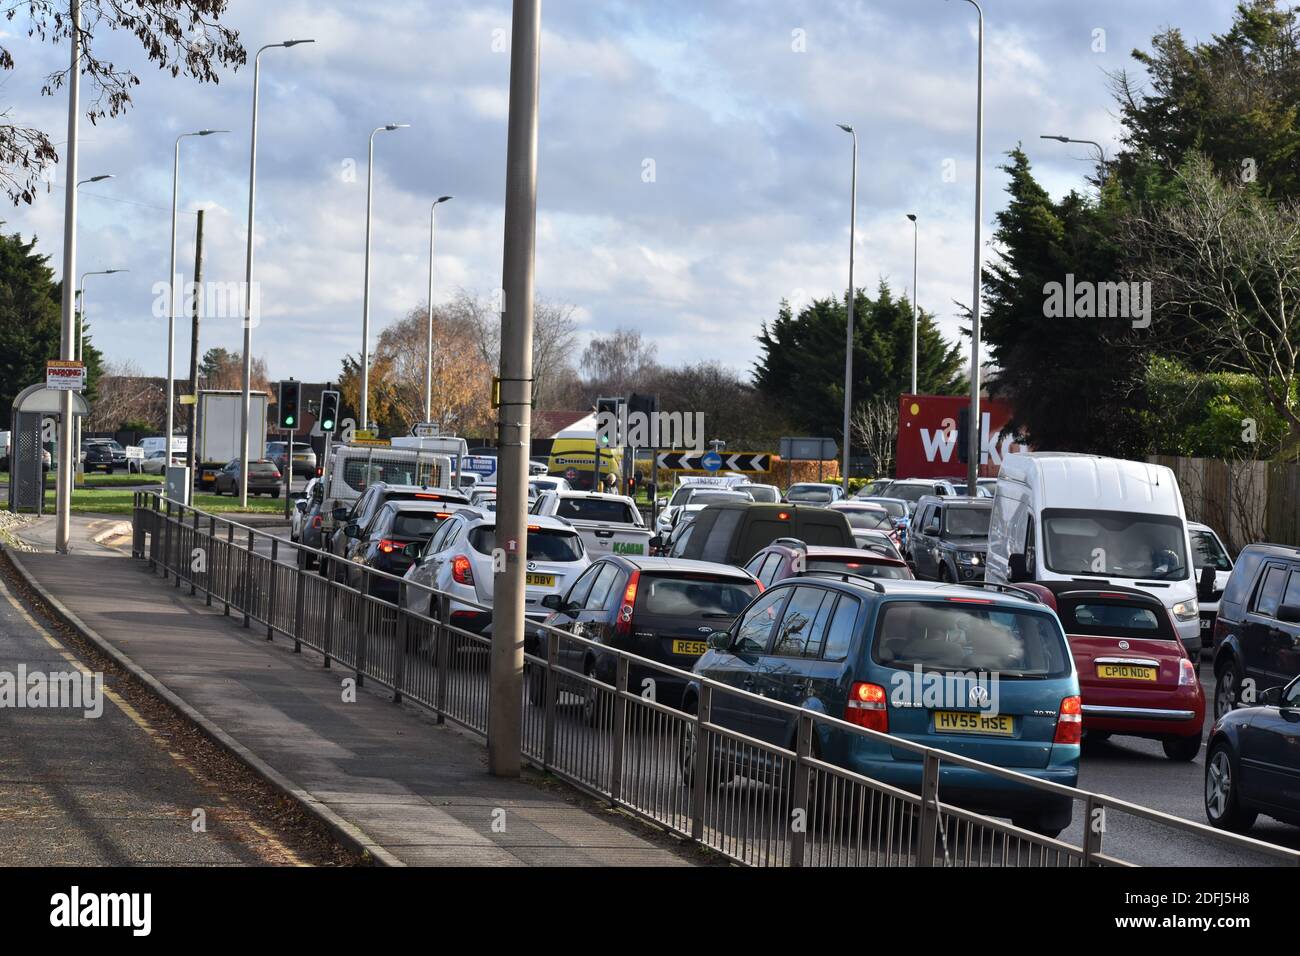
(1245, 501)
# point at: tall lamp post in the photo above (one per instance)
(171, 285)
(81, 336)
(365, 300)
(848, 335)
(428, 356)
(246, 384)
(67, 349)
(975, 419)
(915, 233)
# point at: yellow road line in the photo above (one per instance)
(138, 719)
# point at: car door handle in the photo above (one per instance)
(747, 682)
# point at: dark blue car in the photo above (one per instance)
(977, 671)
(1252, 764)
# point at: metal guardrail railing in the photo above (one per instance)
(753, 801)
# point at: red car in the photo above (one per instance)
(786, 557)
(1134, 674)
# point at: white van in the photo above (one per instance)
(1062, 517)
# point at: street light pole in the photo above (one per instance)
(365, 300)
(428, 356)
(246, 384)
(81, 336)
(915, 232)
(516, 381)
(848, 334)
(171, 285)
(67, 455)
(1101, 152)
(975, 419)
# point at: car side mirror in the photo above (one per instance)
(301, 505)
(352, 530)
(412, 550)
(1017, 568)
(662, 502)
(720, 640)
(1205, 587)
(553, 602)
(341, 513)
(657, 542)
(1289, 614)
(1271, 697)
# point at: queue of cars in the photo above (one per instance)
(1088, 628)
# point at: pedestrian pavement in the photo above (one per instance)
(387, 778)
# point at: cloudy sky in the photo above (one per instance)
(691, 172)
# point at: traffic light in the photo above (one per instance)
(603, 406)
(329, 411)
(290, 399)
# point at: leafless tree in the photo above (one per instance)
(555, 332)
(875, 430)
(123, 394)
(1226, 261)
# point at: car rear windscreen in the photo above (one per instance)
(416, 524)
(863, 569)
(262, 468)
(961, 636)
(1115, 619)
(595, 509)
(693, 596)
(544, 544)
(871, 520)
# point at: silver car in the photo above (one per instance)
(457, 560)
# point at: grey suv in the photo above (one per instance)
(950, 538)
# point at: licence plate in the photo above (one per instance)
(1205, 624)
(540, 580)
(209, 475)
(691, 648)
(1125, 672)
(960, 722)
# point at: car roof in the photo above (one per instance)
(1002, 596)
(956, 500)
(1286, 552)
(851, 504)
(478, 518)
(685, 565)
(455, 497)
(409, 505)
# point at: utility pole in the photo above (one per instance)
(67, 343)
(515, 421)
(195, 311)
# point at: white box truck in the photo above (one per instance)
(220, 428)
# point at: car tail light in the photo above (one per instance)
(1187, 673)
(461, 571)
(623, 626)
(315, 521)
(388, 546)
(867, 708)
(1069, 722)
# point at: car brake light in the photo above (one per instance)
(623, 626)
(783, 516)
(1187, 673)
(461, 571)
(866, 707)
(315, 521)
(388, 546)
(1069, 722)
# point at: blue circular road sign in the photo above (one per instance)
(712, 461)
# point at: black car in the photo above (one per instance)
(1252, 763)
(99, 455)
(732, 532)
(660, 608)
(353, 524)
(1257, 631)
(949, 539)
(387, 547)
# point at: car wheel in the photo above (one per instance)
(591, 710)
(1182, 749)
(537, 686)
(1227, 688)
(1222, 806)
(946, 576)
(1096, 736)
(715, 776)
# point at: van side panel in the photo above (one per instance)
(1006, 528)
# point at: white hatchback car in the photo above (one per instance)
(458, 561)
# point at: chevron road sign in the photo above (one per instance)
(741, 461)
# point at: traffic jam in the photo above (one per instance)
(1071, 587)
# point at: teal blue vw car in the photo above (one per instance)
(982, 671)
